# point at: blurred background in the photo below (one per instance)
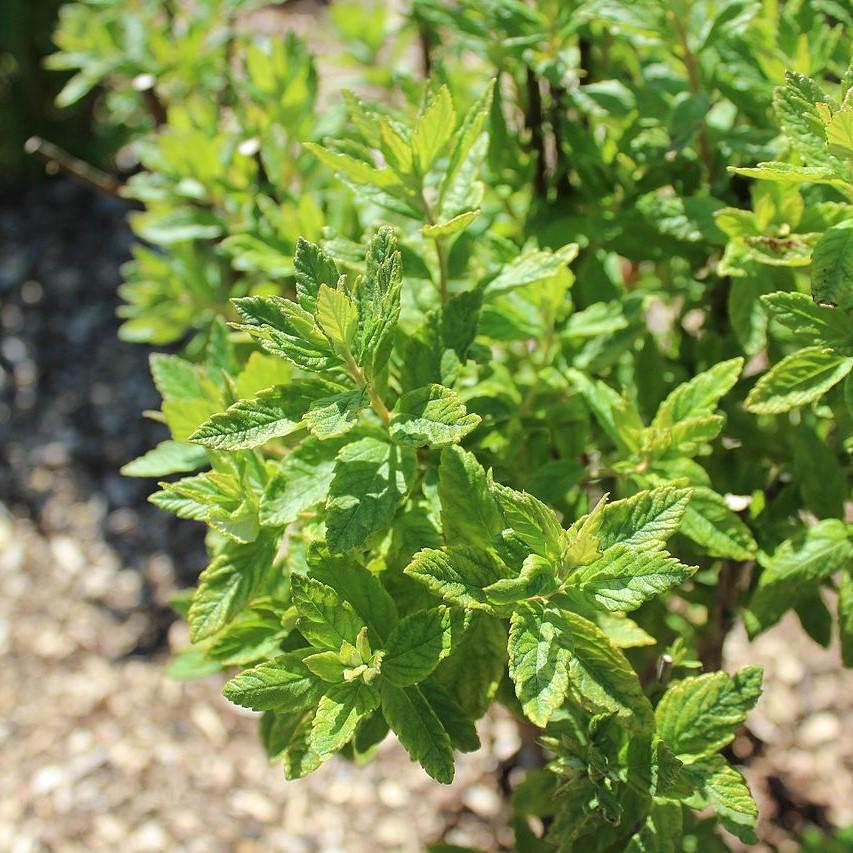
(100, 748)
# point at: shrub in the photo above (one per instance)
(466, 368)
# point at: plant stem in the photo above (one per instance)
(57, 159)
(376, 402)
(442, 269)
(695, 81)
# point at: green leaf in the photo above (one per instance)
(532, 267)
(234, 577)
(177, 379)
(723, 788)
(539, 653)
(372, 479)
(602, 676)
(644, 521)
(699, 396)
(313, 267)
(419, 729)
(433, 129)
(285, 737)
(285, 329)
(806, 322)
(356, 170)
(284, 684)
(623, 578)
(335, 415)
(474, 669)
(534, 523)
(325, 619)
(337, 316)
(709, 522)
(338, 713)
(301, 481)
(469, 511)
(832, 264)
(796, 566)
(698, 716)
(661, 833)
(845, 617)
(459, 575)
(273, 413)
(358, 586)
(788, 173)
(168, 457)
(798, 379)
(432, 416)
(459, 727)
(537, 577)
(419, 642)
(820, 478)
(452, 226)
(839, 134)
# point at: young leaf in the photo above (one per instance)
(459, 575)
(325, 619)
(168, 457)
(698, 716)
(419, 642)
(285, 685)
(273, 413)
(708, 521)
(432, 416)
(623, 578)
(337, 316)
(313, 268)
(433, 128)
(338, 712)
(372, 478)
(644, 521)
(724, 789)
(798, 379)
(337, 414)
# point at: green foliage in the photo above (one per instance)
(468, 390)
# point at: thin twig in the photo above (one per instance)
(57, 159)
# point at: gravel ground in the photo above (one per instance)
(99, 749)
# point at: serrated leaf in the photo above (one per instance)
(285, 329)
(432, 416)
(372, 478)
(337, 414)
(459, 726)
(623, 578)
(537, 577)
(472, 672)
(458, 575)
(419, 729)
(451, 226)
(301, 481)
(539, 653)
(796, 566)
(532, 267)
(356, 170)
(285, 685)
(698, 716)
(285, 737)
(832, 264)
(433, 129)
(325, 619)
(806, 322)
(723, 788)
(273, 413)
(709, 522)
(469, 511)
(644, 521)
(337, 316)
(233, 578)
(699, 396)
(419, 642)
(798, 379)
(839, 134)
(176, 378)
(532, 521)
(338, 713)
(602, 676)
(313, 267)
(788, 173)
(168, 457)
